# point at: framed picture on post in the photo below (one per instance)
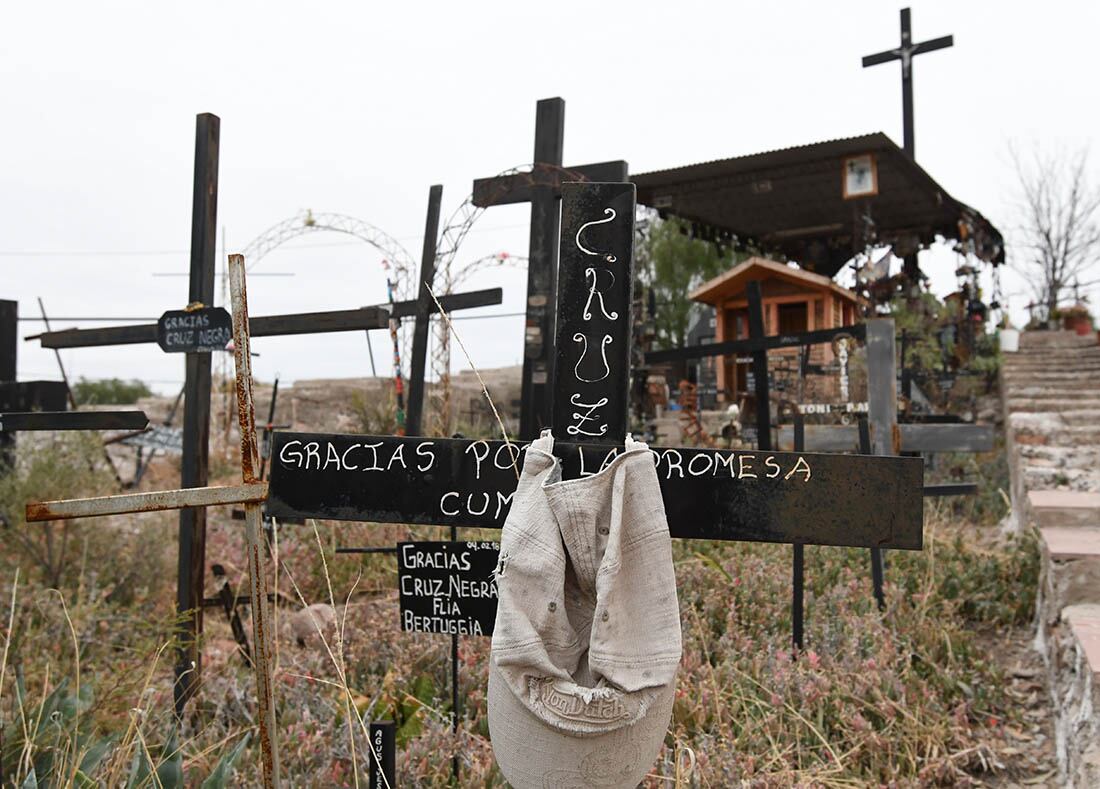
(860, 177)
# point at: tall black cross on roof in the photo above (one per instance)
(905, 53)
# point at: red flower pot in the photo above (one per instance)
(1082, 324)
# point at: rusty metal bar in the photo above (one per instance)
(155, 501)
(262, 635)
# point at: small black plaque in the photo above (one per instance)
(448, 587)
(196, 331)
(383, 763)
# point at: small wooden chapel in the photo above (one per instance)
(794, 301)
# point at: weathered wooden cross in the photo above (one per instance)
(172, 335)
(542, 189)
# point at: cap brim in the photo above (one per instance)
(534, 755)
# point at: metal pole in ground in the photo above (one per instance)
(454, 684)
(882, 404)
(262, 635)
(799, 564)
(194, 463)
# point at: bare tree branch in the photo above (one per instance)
(1058, 237)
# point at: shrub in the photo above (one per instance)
(109, 391)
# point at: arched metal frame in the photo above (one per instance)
(402, 263)
(404, 267)
(450, 239)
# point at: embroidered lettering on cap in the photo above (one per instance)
(605, 705)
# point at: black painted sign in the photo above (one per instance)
(448, 587)
(196, 331)
(383, 763)
(168, 439)
(817, 499)
(592, 378)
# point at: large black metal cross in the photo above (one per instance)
(905, 53)
(196, 415)
(784, 497)
(542, 189)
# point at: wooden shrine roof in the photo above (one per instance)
(789, 203)
(734, 281)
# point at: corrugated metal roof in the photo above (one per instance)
(790, 202)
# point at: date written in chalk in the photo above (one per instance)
(448, 587)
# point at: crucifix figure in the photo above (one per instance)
(542, 189)
(905, 53)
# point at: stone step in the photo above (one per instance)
(1085, 366)
(1055, 420)
(1051, 405)
(1058, 435)
(1072, 542)
(1037, 356)
(1040, 353)
(1064, 367)
(1078, 386)
(1040, 456)
(1034, 341)
(1061, 373)
(1065, 508)
(1080, 416)
(1084, 622)
(1071, 479)
(1051, 393)
(1033, 357)
(1047, 394)
(1041, 359)
(1068, 438)
(1047, 339)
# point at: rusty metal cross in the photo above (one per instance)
(251, 493)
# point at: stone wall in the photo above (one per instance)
(1051, 390)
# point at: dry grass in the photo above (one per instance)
(908, 698)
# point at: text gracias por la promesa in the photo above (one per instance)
(380, 456)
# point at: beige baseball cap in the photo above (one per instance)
(582, 675)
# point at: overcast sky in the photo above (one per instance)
(357, 108)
